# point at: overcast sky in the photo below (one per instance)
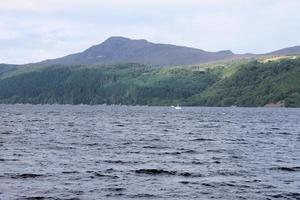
(33, 30)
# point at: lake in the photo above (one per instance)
(140, 152)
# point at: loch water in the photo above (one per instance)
(139, 152)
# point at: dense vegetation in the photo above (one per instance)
(119, 84)
(244, 84)
(256, 84)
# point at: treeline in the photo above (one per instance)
(130, 84)
(251, 84)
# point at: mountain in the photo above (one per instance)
(286, 51)
(4, 68)
(116, 50)
(124, 74)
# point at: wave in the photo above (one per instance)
(288, 169)
(155, 172)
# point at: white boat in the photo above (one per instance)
(177, 107)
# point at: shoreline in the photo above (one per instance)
(125, 105)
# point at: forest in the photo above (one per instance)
(248, 84)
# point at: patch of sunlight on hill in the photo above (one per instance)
(278, 58)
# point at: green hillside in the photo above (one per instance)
(118, 84)
(241, 83)
(256, 84)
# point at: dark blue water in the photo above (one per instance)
(121, 152)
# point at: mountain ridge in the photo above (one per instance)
(118, 50)
(286, 51)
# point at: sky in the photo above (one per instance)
(34, 30)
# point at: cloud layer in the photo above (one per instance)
(33, 30)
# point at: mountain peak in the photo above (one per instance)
(117, 38)
(229, 52)
(120, 39)
(118, 49)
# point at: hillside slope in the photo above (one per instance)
(256, 84)
(286, 51)
(251, 84)
(119, 84)
(4, 68)
(116, 50)
(120, 50)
